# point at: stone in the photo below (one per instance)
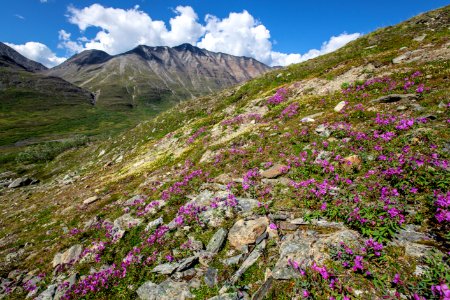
(394, 98)
(246, 232)
(411, 233)
(122, 224)
(323, 130)
(61, 290)
(274, 171)
(70, 256)
(311, 118)
(223, 178)
(420, 38)
(288, 226)
(211, 277)
(247, 204)
(134, 200)
(154, 224)
(309, 247)
(167, 290)
(261, 293)
(185, 275)
(90, 200)
(249, 261)
(417, 250)
(234, 260)
(401, 108)
(165, 269)
(187, 263)
(19, 182)
(351, 162)
(299, 221)
(49, 293)
(227, 296)
(340, 106)
(217, 240)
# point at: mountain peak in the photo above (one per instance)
(89, 57)
(11, 57)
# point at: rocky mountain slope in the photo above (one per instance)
(32, 103)
(324, 180)
(155, 76)
(11, 58)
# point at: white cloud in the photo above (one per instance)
(120, 30)
(19, 16)
(38, 52)
(43, 1)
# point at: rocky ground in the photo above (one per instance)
(325, 180)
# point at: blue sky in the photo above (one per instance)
(275, 32)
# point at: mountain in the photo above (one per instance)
(11, 58)
(327, 179)
(33, 104)
(155, 76)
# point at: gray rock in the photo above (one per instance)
(417, 250)
(165, 269)
(232, 260)
(216, 242)
(211, 277)
(133, 200)
(323, 130)
(154, 224)
(263, 290)
(61, 290)
(70, 256)
(187, 263)
(340, 106)
(247, 204)
(274, 171)
(49, 293)
(310, 247)
(19, 182)
(394, 98)
(249, 261)
(167, 290)
(227, 296)
(122, 224)
(420, 38)
(90, 200)
(411, 233)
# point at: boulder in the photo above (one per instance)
(340, 106)
(90, 200)
(246, 232)
(216, 242)
(167, 290)
(309, 247)
(19, 182)
(274, 171)
(70, 256)
(394, 98)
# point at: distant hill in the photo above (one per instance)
(151, 76)
(11, 58)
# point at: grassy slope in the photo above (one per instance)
(156, 150)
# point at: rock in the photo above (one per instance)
(411, 233)
(311, 118)
(14, 256)
(417, 250)
(211, 277)
(167, 290)
(187, 263)
(401, 108)
(247, 204)
(185, 275)
(90, 200)
(400, 58)
(61, 290)
(49, 293)
(154, 223)
(165, 269)
(122, 224)
(19, 182)
(249, 261)
(263, 290)
(351, 162)
(216, 242)
(246, 232)
(323, 130)
(70, 256)
(232, 260)
(278, 216)
(274, 171)
(420, 38)
(134, 200)
(394, 98)
(223, 178)
(308, 247)
(340, 106)
(288, 226)
(227, 296)
(417, 107)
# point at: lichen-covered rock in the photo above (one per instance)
(70, 256)
(167, 290)
(216, 242)
(274, 171)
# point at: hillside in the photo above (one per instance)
(11, 58)
(155, 76)
(327, 179)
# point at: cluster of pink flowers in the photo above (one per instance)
(279, 97)
(189, 213)
(240, 119)
(443, 206)
(290, 111)
(178, 187)
(196, 134)
(249, 178)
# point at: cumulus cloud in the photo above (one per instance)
(240, 34)
(38, 52)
